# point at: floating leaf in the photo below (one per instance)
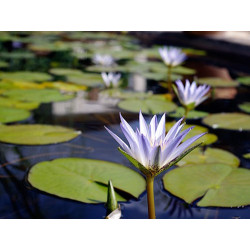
(218, 82)
(207, 139)
(159, 76)
(37, 95)
(12, 115)
(11, 84)
(17, 55)
(231, 121)
(246, 156)
(11, 103)
(245, 80)
(245, 107)
(147, 106)
(65, 71)
(36, 134)
(25, 76)
(85, 180)
(99, 68)
(193, 114)
(64, 86)
(90, 80)
(219, 185)
(210, 155)
(3, 64)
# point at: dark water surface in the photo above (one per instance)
(19, 200)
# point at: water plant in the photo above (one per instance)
(111, 80)
(153, 151)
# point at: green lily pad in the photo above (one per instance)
(218, 82)
(65, 71)
(245, 80)
(11, 103)
(207, 139)
(210, 155)
(85, 180)
(25, 76)
(159, 76)
(246, 156)
(37, 95)
(231, 121)
(219, 185)
(245, 107)
(13, 114)
(17, 55)
(64, 86)
(121, 94)
(193, 114)
(99, 68)
(90, 80)
(147, 105)
(36, 134)
(4, 64)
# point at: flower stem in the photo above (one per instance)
(185, 114)
(150, 197)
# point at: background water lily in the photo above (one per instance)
(111, 79)
(104, 60)
(191, 95)
(152, 150)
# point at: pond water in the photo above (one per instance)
(89, 112)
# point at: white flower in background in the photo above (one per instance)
(103, 60)
(111, 79)
(172, 56)
(191, 95)
(79, 52)
(150, 149)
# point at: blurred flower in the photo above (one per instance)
(191, 96)
(79, 52)
(111, 79)
(150, 149)
(104, 60)
(17, 44)
(172, 56)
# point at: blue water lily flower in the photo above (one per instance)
(150, 148)
(111, 79)
(172, 56)
(191, 95)
(103, 60)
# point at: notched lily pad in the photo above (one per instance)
(218, 82)
(210, 155)
(36, 134)
(149, 105)
(219, 185)
(85, 180)
(193, 114)
(8, 114)
(37, 95)
(231, 121)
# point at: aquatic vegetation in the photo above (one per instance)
(191, 95)
(152, 151)
(111, 80)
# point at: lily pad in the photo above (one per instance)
(17, 55)
(26, 76)
(13, 84)
(245, 80)
(219, 185)
(218, 82)
(90, 80)
(85, 180)
(12, 115)
(206, 139)
(121, 94)
(147, 105)
(11, 103)
(246, 156)
(64, 86)
(65, 71)
(99, 68)
(3, 64)
(37, 95)
(193, 114)
(36, 134)
(231, 121)
(159, 76)
(245, 107)
(210, 155)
